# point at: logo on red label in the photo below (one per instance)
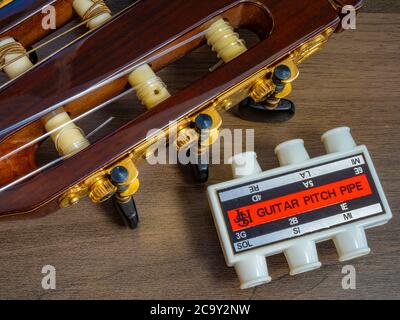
(299, 202)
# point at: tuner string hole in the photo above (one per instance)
(149, 88)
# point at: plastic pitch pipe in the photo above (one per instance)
(289, 209)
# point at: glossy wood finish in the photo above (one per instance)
(175, 253)
(22, 19)
(69, 74)
(20, 10)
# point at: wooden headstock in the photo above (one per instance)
(26, 22)
(126, 51)
(22, 19)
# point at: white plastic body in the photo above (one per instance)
(82, 6)
(245, 165)
(291, 152)
(19, 66)
(300, 252)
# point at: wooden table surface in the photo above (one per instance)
(175, 254)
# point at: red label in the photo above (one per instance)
(299, 202)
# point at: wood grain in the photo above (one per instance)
(175, 254)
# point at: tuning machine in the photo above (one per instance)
(118, 182)
(267, 102)
(195, 140)
(227, 44)
(127, 184)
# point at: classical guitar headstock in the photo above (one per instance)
(122, 54)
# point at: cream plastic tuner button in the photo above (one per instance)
(252, 271)
(95, 12)
(351, 244)
(13, 56)
(338, 140)
(291, 152)
(245, 164)
(225, 41)
(150, 89)
(302, 257)
(69, 139)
